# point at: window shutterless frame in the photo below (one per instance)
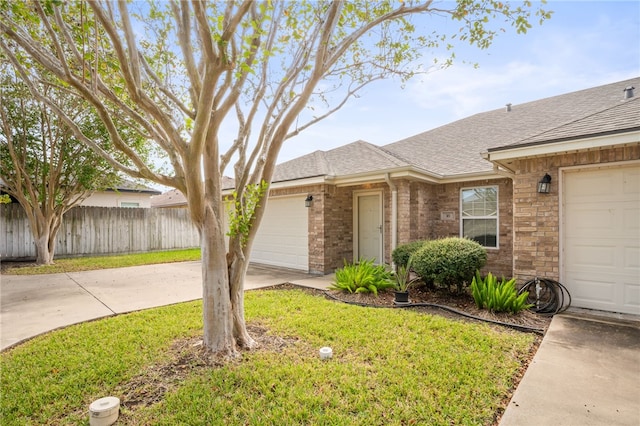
(479, 215)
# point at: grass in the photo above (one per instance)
(78, 264)
(390, 367)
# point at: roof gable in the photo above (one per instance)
(356, 157)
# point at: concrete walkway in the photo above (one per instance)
(586, 371)
(34, 304)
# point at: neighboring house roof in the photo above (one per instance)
(456, 149)
(126, 185)
(175, 198)
(171, 198)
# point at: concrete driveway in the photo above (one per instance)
(34, 304)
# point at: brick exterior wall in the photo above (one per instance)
(529, 223)
(420, 207)
(413, 210)
(536, 217)
(337, 220)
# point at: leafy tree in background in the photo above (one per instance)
(186, 73)
(42, 165)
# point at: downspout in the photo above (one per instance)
(509, 174)
(394, 212)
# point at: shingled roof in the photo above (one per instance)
(175, 198)
(456, 148)
(356, 157)
(621, 117)
(126, 185)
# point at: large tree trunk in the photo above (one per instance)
(44, 228)
(217, 315)
(237, 275)
(44, 248)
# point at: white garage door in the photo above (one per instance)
(282, 238)
(602, 238)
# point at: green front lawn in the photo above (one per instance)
(93, 263)
(390, 367)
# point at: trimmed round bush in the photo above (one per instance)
(449, 262)
(402, 253)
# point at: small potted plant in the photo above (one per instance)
(402, 283)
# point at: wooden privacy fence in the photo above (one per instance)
(100, 230)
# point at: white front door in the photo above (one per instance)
(369, 227)
(602, 237)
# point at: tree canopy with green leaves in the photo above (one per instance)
(42, 165)
(180, 72)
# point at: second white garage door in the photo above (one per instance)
(283, 236)
(602, 238)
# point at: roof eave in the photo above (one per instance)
(468, 177)
(313, 180)
(413, 173)
(560, 146)
(379, 176)
(134, 191)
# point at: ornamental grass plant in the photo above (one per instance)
(362, 277)
(496, 296)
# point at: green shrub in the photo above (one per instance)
(402, 253)
(362, 277)
(498, 296)
(449, 261)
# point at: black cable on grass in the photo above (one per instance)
(443, 307)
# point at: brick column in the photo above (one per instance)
(404, 211)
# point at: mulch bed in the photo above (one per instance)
(445, 303)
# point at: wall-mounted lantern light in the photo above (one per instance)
(308, 200)
(545, 184)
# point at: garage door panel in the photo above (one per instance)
(279, 259)
(632, 259)
(601, 228)
(588, 186)
(592, 220)
(612, 221)
(631, 221)
(631, 182)
(592, 255)
(595, 290)
(632, 296)
(282, 239)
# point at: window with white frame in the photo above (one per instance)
(479, 214)
(129, 204)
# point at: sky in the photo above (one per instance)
(585, 44)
